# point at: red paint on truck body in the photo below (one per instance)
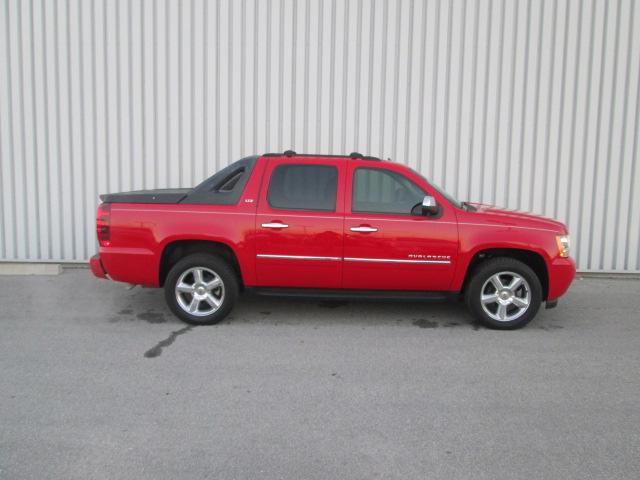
(379, 260)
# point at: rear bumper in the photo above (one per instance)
(97, 268)
(562, 271)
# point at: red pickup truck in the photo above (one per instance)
(329, 226)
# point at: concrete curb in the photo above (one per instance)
(30, 268)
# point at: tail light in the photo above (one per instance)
(103, 224)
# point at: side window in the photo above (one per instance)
(303, 187)
(377, 190)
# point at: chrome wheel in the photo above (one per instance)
(505, 296)
(199, 291)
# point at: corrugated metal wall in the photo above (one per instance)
(529, 104)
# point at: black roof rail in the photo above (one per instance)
(291, 153)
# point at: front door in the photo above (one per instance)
(385, 246)
(299, 223)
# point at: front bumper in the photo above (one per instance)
(562, 271)
(97, 268)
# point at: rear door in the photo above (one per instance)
(386, 247)
(299, 223)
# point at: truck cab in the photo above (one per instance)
(333, 227)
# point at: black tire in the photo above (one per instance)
(227, 293)
(502, 265)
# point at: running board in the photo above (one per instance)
(339, 294)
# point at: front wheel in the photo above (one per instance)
(201, 289)
(504, 293)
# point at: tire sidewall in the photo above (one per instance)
(484, 272)
(217, 265)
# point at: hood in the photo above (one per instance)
(495, 215)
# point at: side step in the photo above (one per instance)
(339, 294)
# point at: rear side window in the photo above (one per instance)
(303, 187)
(224, 187)
(377, 190)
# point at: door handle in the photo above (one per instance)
(363, 229)
(275, 225)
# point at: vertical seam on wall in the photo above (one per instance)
(205, 88)
(536, 110)
(38, 233)
(47, 137)
(294, 18)
(511, 102)
(372, 24)
(23, 137)
(396, 86)
(305, 82)
(472, 116)
(421, 106)
(407, 129)
(456, 164)
(83, 147)
(180, 100)
(280, 70)
(604, 231)
(498, 108)
(563, 81)
(383, 79)
(434, 92)
(599, 116)
(586, 123)
(318, 145)
(192, 80)
(632, 175)
(72, 168)
(523, 110)
(574, 108)
(118, 95)
(345, 65)
(132, 137)
(154, 33)
(447, 95)
(545, 164)
(143, 94)
(624, 130)
(358, 66)
(332, 76)
(267, 82)
(243, 73)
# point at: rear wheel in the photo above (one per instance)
(201, 289)
(504, 293)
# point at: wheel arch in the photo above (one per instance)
(532, 259)
(175, 250)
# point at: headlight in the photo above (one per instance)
(563, 245)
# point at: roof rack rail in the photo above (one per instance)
(291, 153)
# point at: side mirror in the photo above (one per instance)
(429, 206)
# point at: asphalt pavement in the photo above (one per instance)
(97, 381)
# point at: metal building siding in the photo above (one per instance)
(528, 104)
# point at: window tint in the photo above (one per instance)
(377, 190)
(303, 187)
(230, 182)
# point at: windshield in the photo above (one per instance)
(454, 201)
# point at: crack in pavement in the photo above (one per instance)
(156, 351)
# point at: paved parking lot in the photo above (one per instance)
(100, 382)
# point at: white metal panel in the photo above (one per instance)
(529, 104)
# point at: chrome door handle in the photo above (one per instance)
(275, 225)
(363, 229)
